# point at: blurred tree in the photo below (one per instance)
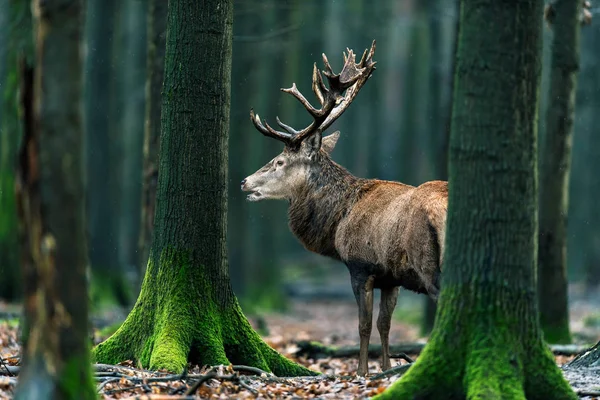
(487, 342)
(51, 194)
(261, 270)
(155, 68)
(186, 308)
(554, 173)
(102, 155)
(588, 101)
(132, 86)
(441, 84)
(16, 56)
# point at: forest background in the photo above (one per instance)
(397, 130)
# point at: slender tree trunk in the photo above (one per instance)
(134, 21)
(487, 343)
(186, 310)
(18, 55)
(51, 196)
(589, 99)
(554, 174)
(102, 162)
(155, 69)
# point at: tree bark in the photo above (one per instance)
(186, 310)
(487, 342)
(155, 69)
(554, 173)
(51, 193)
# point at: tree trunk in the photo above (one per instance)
(133, 22)
(186, 310)
(589, 98)
(554, 174)
(487, 342)
(155, 69)
(51, 193)
(108, 280)
(18, 53)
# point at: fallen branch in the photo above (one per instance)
(316, 350)
(397, 370)
(312, 349)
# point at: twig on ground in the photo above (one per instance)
(403, 356)
(397, 370)
(254, 370)
(587, 393)
(5, 366)
(249, 388)
(106, 382)
(203, 379)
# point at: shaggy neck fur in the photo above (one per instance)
(317, 209)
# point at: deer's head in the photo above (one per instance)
(281, 177)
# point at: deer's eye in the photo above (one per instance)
(279, 163)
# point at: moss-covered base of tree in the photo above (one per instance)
(177, 320)
(482, 355)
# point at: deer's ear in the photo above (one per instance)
(312, 144)
(329, 142)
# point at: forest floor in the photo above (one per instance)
(332, 323)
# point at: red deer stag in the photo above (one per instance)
(387, 233)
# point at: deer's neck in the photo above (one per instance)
(316, 211)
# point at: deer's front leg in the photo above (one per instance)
(363, 291)
(384, 321)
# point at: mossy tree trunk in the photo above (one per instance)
(186, 310)
(155, 69)
(51, 194)
(554, 173)
(486, 342)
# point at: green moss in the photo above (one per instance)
(176, 320)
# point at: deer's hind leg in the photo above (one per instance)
(363, 291)
(384, 322)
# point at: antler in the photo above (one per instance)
(333, 100)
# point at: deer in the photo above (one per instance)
(388, 234)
